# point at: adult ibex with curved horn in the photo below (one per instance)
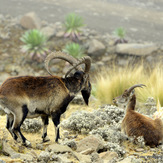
(29, 96)
(136, 124)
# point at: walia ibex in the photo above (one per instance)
(135, 124)
(29, 96)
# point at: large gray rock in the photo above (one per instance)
(27, 157)
(90, 142)
(95, 158)
(136, 49)
(30, 21)
(126, 160)
(82, 158)
(57, 148)
(44, 156)
(48, 31)
(108, 156)
(61, 153)
(96, 48)
(7, 150)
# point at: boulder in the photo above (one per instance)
(96, 48)
(82, 158)
(48, 31)
(90, 142)
(108, 156)
(30, 21)
(126, 160)
(44, 156)
(136, 49)
(95, 158)
(57, 148)
(27, 157)
(7, 150)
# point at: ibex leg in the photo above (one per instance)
(45, 120)
(19, 117)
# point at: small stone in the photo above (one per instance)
(95, 158)
(15, 155)
(126, 160)
(71, 144)
(44, 156)
(96, 48)
(57, 148)
(82, 158)
(108, 155)
(87, 151)
(89, 142)
(139, 150)
(48, 31)
(39, 146)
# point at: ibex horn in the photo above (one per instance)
(85, 60)
(134, 86)
(59, 55)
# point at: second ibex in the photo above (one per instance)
(135, 124)
(29, 97)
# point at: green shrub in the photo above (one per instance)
(73, 24)
(34, 44)
(74, 49)
(120, 34)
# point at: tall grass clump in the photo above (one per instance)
(110, 84)
(155, 84)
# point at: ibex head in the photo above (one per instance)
(80, 74)
(123, 99)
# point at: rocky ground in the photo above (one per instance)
(141, 18)
(89, 134)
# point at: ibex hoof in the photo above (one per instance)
(46, 139)
(58, 141)
(27, 143)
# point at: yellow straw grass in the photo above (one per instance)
(110, 84)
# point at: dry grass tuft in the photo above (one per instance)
(110, 84)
